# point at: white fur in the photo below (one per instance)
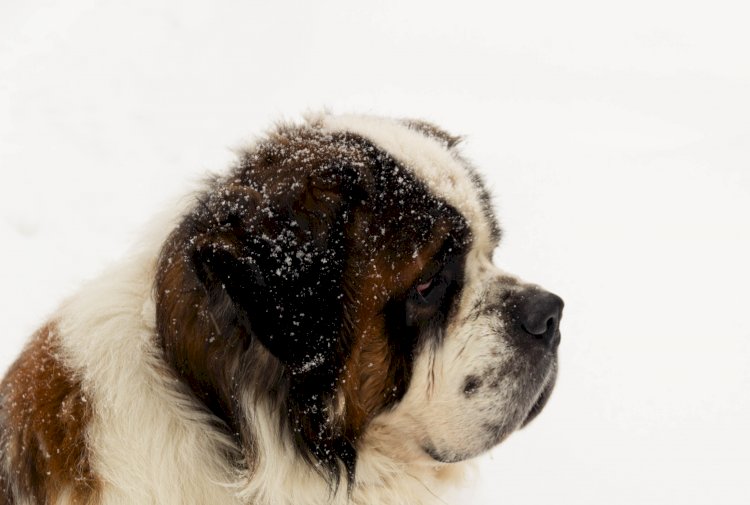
(149, 442)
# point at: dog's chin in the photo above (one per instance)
(499, 432)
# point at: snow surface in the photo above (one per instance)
(616, 138)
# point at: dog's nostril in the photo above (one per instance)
(538, 327)
(539, 315)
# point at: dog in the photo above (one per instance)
(321, 324)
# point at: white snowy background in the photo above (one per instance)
(615, 135)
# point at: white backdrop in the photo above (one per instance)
(616, 139)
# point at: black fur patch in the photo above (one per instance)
(471, 385)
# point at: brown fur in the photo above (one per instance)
(366, 384)
(45, 415)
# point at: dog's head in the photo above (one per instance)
(339, 280)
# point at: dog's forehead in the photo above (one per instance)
(428, 159)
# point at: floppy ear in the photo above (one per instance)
(279, 253)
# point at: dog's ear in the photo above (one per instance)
(275, 244)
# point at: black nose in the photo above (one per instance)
(538, 314)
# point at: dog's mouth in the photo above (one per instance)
(500, 432)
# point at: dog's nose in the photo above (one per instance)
(538, 314)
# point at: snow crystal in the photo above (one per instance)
(315, 362)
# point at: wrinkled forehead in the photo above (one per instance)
(430, 161)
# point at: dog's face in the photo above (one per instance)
(340, 279)
(486, 372)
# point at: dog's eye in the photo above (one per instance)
(430, 296)
(431, 290)
(424, 287)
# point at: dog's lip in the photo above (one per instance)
(555, 343)
(432, 452)
(440, 458)
(540, 402)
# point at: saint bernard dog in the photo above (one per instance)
(321, 324)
